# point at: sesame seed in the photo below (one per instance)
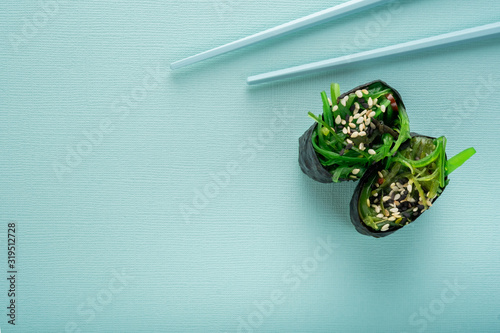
(370, 102)
(375, 194)
(355, 172)
(382, 108)
(362, 127)
(372, 152)
(385, 198)
(375, 101)
(397, 196)
(377, 209)
(385, 227)
(351, 125)
(428, 203)
(368, 202)
(362, 133)
(409, 188)
(350, 119)
(329, 101)
(359, 93)
(338, 120)
(349, 130)
(349, 146)
(372, 114)
(343, 122)
(344, 130)
(380, 174)
(348, 140)
(394, 210)
(363, 113)
(341, 152)
(356, 105)
(372, 125)
(386, 213)
(356, 116)
(362, 146)
(343, 101)
(415, 209)
(380, 216)
(354, 135)
(392, 218)
(364, 91)
(335, 108)
(360, 120)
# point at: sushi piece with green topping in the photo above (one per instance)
(356, 130)
(395, 192)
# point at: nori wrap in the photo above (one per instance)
(395, 192)
(359, 128)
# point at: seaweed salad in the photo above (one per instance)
(364, 134)
(356, 129)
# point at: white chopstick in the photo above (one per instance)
(343, 9)
(426, 43)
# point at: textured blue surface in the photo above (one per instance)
(113, 233)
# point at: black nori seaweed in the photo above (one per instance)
(308, 159)
(356, 219)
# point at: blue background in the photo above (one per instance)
(191, 192)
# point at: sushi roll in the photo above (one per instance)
(396, 191)
(357, 129)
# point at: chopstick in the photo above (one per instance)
(425, 43)
(349, 7)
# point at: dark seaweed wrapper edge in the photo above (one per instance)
(356, 219)
(308, 159)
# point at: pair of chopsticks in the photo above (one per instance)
(329, 14)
